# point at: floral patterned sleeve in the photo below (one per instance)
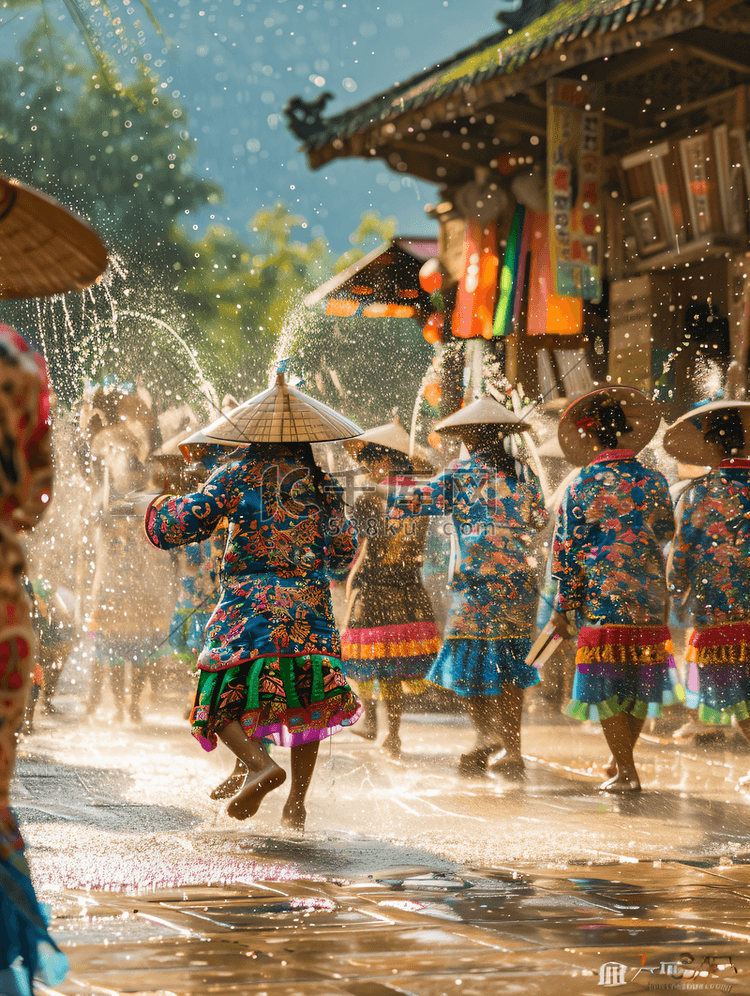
(567, 568)
(341, 539)
(433, 498)
(176, 521)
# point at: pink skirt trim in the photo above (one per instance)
(404, 633)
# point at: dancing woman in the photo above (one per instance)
(709, 564)
(611, 573)
(391, 637)
(497, 506)
(270, 667)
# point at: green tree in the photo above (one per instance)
(254, 311)
(128, 172)
(371, 232)
(256, 289)
(108, 37)
(369, 368)
(235, 299)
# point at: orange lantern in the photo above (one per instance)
(431, 276)
(477, 290)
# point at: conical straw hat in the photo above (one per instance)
(44, 248)
(580, 446)
(282, 414)
(190, 446)
(172, 446)
(684, 439)
(484, 411)
(393, 436)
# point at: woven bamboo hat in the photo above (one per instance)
(44, 248)
(282, 414)
(580, 445)
(484, 411)
(174, 445)
(393, 436)
(685, 440)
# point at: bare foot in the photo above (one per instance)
(621, 785)
(392, 745)
(509, 765)
(367, 728)
(475, 762)
(256, 787)
(230, 786)
(611, 768)
(293, 816)
(367, 733)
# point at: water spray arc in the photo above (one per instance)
(205, 385)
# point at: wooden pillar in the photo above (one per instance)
(452, 388)
(451, 253)
(739, 327)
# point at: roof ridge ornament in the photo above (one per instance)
(305, 118)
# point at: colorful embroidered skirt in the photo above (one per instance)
(719, 673)
(623, 669)
(401, 653)
(26, 949)
(473, 668)
(288, 700)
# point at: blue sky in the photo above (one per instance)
(239, 62)
(235, 63)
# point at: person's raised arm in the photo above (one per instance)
(176, 521)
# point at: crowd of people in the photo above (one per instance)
(268, 533)
(274, 670)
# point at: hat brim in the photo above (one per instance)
(684, 439)
(46, 249)
(580, 446)
(393, 436)
(282, 414)
(483, 411)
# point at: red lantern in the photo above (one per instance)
(431, 276)
(433, 327)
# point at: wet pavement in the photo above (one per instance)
(409, 879)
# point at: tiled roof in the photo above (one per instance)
(499, 55)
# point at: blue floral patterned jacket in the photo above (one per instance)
(709, 566)
(286, 540)
(494, 518)
(608, 557)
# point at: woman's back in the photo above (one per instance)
(712, 551)
(494, 514)
(284, 515)
(608, 556)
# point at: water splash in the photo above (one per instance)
(205, 385)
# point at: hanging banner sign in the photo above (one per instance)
(574, 159)
(477, 289)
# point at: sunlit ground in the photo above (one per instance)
(405, 868)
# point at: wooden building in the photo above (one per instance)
(634, 113)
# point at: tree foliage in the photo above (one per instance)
(122, 157)
(127, 170)
(108, 37)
